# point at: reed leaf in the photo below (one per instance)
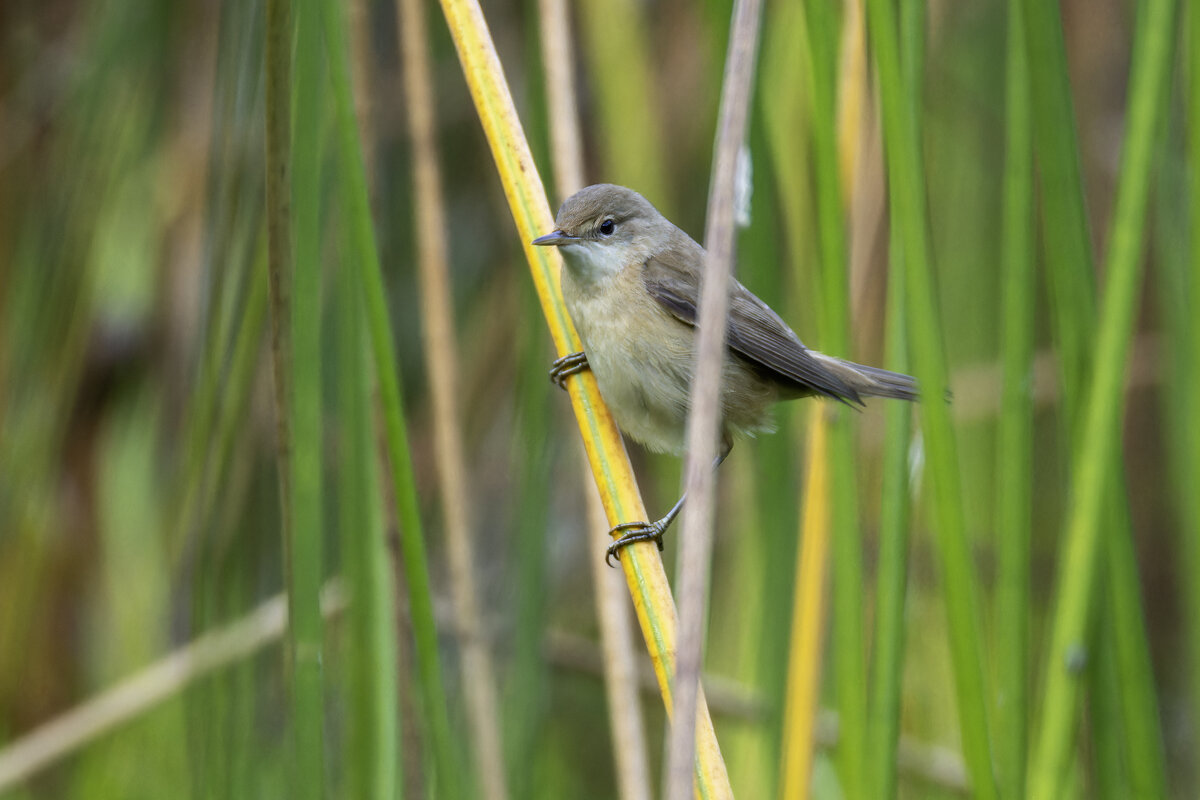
(896, 506)
(808, 623)
(443, 367)
(1014, 452)
(849, 656)
(365, 256)
(293, 183)
(372, 728)
(908, 208)
(1099, 436)
(1190, 370)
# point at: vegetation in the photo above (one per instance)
(288, 507)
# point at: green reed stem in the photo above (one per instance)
(293, 185)
(1014, 449)
(363, 251)
(908, 206)
(1098, 446)
(847, 635)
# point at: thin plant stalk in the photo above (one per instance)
(442, 363)
(279, 226)
(217, 425)
(847, 635)
(307, 542)
(360, 29)
(896, 505)
(364, 253)
(703, 425)
(788, 130)
(373, 769)
(1191, 498)
(566, 140)
(1014, 456)
(1153, 48)
(1067, 241)
(852, 95)
(372, 730)
(1111, 772)
(808, 620)
(617, 41)
(149, 688)
(630, 752)
(883, 738)
(292, 183)
(908, 208)
(1070, 281)
(610, 465)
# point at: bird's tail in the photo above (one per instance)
(870, 381)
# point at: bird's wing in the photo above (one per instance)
(756, 333)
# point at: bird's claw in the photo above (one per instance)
(566, 366)
(632, 532)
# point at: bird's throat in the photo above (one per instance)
(592, 263)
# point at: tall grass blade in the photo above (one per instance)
(1100, 428)
(896, 505)
(1190, 370)
(1014, 449)
(307, 541)
(908, 209)
(1073, 314)
(293, 182)
(620, 65)
(849, 657)
(442, 365)
(363, 253)
(704, 417)
(789, 683)
(372, 766)
(1067, 240)
(883, 728)
(808, 623)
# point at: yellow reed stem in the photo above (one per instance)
(808, 616)
(630, 751)
(605, 449)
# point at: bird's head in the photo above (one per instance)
(604, 228)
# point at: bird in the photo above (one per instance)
(631, 284)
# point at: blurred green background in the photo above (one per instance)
(139, 497)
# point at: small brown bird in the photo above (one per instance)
(631, 281)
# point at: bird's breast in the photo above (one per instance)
(640, 355)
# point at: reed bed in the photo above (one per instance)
(288, 507)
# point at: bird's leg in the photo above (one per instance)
(631, 532)
(567, 365)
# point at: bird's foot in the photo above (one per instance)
(566, 366)
(631, 532)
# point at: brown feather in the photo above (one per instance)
(756, 333)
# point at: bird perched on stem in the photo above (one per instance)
(631, 282)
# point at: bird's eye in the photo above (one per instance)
(607, 227)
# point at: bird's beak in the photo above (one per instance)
(555, 237)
